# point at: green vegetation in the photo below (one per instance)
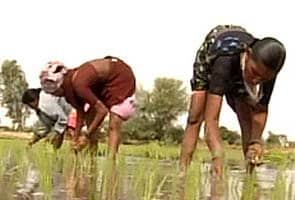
(12, 85)
(158, 111)
(148, 171)
(231, 137)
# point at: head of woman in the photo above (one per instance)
(263, 60)
(52, 76)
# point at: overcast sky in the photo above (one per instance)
(155, 37)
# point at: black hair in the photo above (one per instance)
(31, 95)
(59, 68)
(270, 52)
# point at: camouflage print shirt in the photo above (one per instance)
(217, 64)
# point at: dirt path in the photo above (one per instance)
(18, 135)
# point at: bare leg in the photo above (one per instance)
(191, 134)
(212, 133)
(114, 134)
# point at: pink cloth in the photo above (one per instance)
(72, 119)
(126, 109)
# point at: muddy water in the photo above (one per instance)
(136, 178)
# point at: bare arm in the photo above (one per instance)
(100, 112)
(259, 117)
(89, 77)
(79, 123)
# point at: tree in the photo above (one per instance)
(158, 110)
(168, 101)
(277, 139)
(13, 85)
(232, 137)
(140, 127)
(272, 138)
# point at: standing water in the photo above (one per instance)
(46, 175)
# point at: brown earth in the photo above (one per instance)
(15, 135)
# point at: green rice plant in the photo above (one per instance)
(279, 190)
(142, 179)
(193, 181)
(140, 171)
(160, 186)
(151, 150)
(13, 167)
(43, 157)
(177, 186)
(249, 187)
(109, 180)
(278, 156)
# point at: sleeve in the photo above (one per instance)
(62, 120)
(43, 126)
(220, 75)
(65, 106)
(267, 91)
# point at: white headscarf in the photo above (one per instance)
(52, 76)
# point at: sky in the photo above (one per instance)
(157, 38)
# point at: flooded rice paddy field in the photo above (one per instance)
(41, 174)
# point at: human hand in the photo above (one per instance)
(80, 143)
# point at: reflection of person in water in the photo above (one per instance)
(82, 183)
(78, 183)
(217, 190)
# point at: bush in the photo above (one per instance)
(232, 137)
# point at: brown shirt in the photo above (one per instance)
(108, 80)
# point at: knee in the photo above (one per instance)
(114, 127)
(115, 124)
(195, 119)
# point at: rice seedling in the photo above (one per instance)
(143, 172)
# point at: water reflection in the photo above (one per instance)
(80, 181)
(91, 182)
(265, 183)
(136, 178)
